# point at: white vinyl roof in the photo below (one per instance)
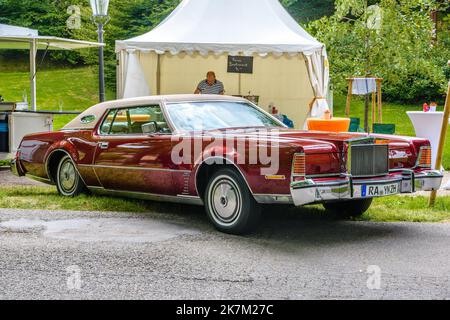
(13, 37)
(232, 26)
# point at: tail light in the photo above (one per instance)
(424, 158)
(298, 167)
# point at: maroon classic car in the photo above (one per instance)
(224, 153)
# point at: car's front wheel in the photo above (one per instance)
(68, 181)
(349, 208)
(229, 203)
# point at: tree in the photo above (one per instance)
(393, 42)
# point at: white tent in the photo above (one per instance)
(13, 37)
(199, 35)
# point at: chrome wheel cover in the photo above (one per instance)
(225, 200)
(67, 177)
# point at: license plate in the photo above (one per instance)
(368, 190)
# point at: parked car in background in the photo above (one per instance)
(224, 153)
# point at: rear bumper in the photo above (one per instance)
(15, 168)
(347, 188)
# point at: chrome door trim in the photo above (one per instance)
(132, 168)
(148, 196)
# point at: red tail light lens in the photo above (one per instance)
(424, 158)
(298, 166)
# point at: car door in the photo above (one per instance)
(126, 159)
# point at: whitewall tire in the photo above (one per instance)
(229, 203)
(68, 181)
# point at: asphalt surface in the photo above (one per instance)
(176, 254)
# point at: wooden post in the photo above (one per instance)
(440, 150)
(379, 100)
(349, 97)
(374, 101)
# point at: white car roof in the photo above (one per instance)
(98, 110)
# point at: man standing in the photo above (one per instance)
(210, 85)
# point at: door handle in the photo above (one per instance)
(103, 145)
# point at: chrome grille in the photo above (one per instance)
(367, 160)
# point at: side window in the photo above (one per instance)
(140, 116)
(106, 125)
(131, 120)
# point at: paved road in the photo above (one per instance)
(176, 254)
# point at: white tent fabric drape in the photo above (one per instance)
(318, 69)
(135, 83)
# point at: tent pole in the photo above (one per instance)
(33, 50)
(158, 74)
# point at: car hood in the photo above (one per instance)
(317, 141)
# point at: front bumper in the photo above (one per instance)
(347, 188)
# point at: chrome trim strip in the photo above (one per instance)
(39, 179)
(226, 161)
(76, 165)
(148, 196)
(324, 175)
(273, 198)
(132, 168)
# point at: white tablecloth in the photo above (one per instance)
(428, 125)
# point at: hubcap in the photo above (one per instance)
(67, 176)
(226, 200)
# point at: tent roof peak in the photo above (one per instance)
(251, 26)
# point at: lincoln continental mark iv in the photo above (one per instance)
(224, 153)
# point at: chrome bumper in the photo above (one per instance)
(347, 188)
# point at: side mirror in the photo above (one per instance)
(150, 127)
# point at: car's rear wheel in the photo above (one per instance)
(349, 208)
(229, 203)
(68, 181)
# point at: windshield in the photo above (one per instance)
(212, 115)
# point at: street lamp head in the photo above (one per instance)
(99, 8)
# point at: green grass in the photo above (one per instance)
(31, 197)
(397, 208)
(71, 89)
(5, 163)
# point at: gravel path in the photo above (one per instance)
(166, 255)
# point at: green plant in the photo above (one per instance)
(390, 39)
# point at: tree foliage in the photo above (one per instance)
(127, 19)
(392, 40)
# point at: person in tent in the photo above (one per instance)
(210, 85)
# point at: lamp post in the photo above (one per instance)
(100, 18)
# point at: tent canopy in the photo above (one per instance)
(13, 37)
(248, 26)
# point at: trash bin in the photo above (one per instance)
(4, 134)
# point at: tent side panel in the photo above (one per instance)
(183, 72)
(149, 62)
(283, 81)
